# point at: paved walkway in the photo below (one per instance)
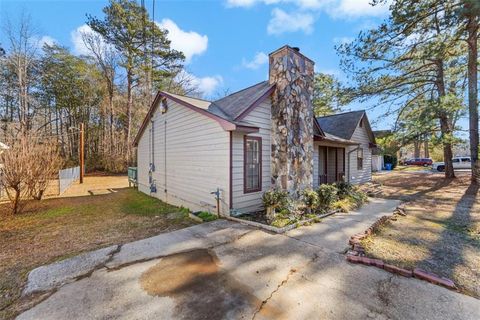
(224, 270)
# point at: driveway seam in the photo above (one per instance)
(210, 247)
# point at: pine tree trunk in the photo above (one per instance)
(445, 127)
(425, 147)
(416, 148)
(447, 147)
(472, 28)
(129, 114)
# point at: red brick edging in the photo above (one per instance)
(356, 254)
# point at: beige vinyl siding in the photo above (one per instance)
(316, 163)
(195, 159)
(249, 202)
(360, 176)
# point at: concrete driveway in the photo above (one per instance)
(224, 270)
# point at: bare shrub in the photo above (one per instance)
(27, 166)
(15, 172)
(44, 168)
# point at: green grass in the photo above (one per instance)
(207, 216)
(141, 204)
(55, 212)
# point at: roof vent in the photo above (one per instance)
(296, 49)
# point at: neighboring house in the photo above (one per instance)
(262, 137)
(352, 126)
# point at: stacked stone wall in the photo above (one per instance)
(292, 120)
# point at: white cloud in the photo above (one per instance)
(77, 41)
(358, 8)
(38, 43)
(206, 85)
(260, 59)
(336, 8)
(241, 3)
(304, 4)
(189, 42)
(282, 22)
(46, 40)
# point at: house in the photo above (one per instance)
(352, 126)
(193, 152)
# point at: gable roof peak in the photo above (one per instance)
(342, 125)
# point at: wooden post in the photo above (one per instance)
(82, 154)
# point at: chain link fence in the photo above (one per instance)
(67, 177)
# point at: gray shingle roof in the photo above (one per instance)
(235, 104)
(341, 125)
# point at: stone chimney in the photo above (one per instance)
(292, 120)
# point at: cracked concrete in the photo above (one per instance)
(279, 277)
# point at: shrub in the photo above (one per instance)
(327, 194)
(351, 201)
(272, 200)
(344, 205)
(28, 165)
(275, 198)
(310, 199)
(344, 189)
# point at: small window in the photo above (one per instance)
(360, 159)
(455, 160)
(466, 160)
(252, 169)
(164, 106)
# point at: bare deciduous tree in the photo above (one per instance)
(23, 53)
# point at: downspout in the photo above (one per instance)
(230, 190)
(165, 156)
(348, 161)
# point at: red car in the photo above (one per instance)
(419, 162)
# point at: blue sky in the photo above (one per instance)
(226, 41)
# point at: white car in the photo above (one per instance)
(458, 163)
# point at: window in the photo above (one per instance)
(252, 165)
(360, 159)
(164, 106)
(466, 160)
(455, 160)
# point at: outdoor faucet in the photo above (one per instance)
(217, 197)
(216, 193)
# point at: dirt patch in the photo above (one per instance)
(441, 232)
(200, 288)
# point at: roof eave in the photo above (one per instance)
(246, 129)
(225, 124)
(342, 141)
